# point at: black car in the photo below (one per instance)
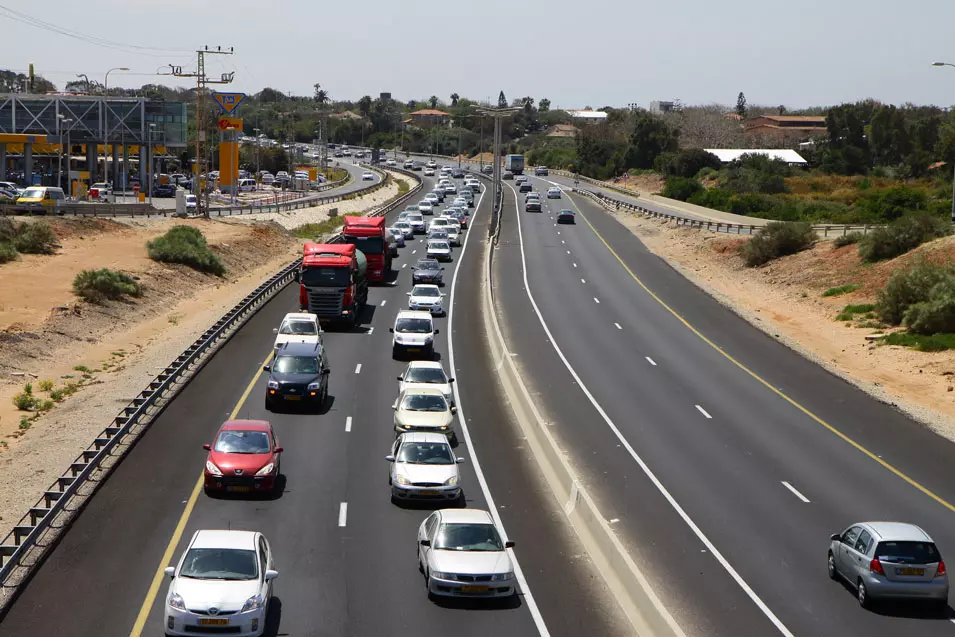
(566, 216)
(427, 271)
(164, 190)
(298, 375)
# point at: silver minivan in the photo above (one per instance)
(885, 560)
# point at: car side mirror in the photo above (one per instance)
(509, 544)
(390, 458)
(459, 460)
(207, 447)
(266, 368)
(835, 537)
(271, 575)
(170, 571)
(275, 330)
(436, 332)
(326, 371)
(279, 449)
(425, 542)
(450, 380)
(408, 293)
(454, 410)
(401, 378)
(391, 329)
(297, 276)
(442, 267)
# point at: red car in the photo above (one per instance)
(244, 458)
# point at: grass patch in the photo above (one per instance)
(861, 308)
(81, 368)
(403, 186)
(35, 238)
(185, 245)
(56, 395)
(921, 342)
(25, 423)
(875, 325)
(776, 240)
(46, 385)
(8, 252)
(96, 286)
(847, 239)
(842, 289)
(315, 230)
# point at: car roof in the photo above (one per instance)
(466, 516)
(420, 436)
(413, 314)
(426, 391)
(211, 539)
(425, 285)
(898, 531)
(246, 425)
(427, 364)
(301, 316)
(301, 349)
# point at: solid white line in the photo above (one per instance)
(618, 326)
(715, 552)
(703, 411)
(370, 330)
(383, 301)
(342, 514)
(358, 368)
(651, 361)
(795, 492)
(475, 463)
(348, 424)
(596, 300)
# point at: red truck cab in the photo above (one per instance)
(369, 235)
(332, 283)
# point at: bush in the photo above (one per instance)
(185, 245)
(687, 163)
(46, 385)
(317, 230)
(25, 401)
(777, 239)
(707, 173)
(8, 231)
(847, 239)
(35, 238)
(909, 287)
(934, 343)
(892, 203)
(842, 289)
(96, 286)
(8, 252)
(902, 235)
(681, 188)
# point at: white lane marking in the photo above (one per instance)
(703, 411)
(596, 300)
(371, 330)
(715, 552)
(358, 368)
(476, 464)
(651, 361)
(568, 252)
(562, 242)
(558, 232)
(348, 424)
(795, 492)
(404, 265)
(414, 251)
(617, 325)
(342, 514)
(383, 301)
(575, 265)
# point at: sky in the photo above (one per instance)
(595, 53)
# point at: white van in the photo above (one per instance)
(247, 185)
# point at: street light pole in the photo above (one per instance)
(953, 163)
(149, 158)
(106, 121)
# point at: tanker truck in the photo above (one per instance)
(332, 282)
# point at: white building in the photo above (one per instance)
(727, 155)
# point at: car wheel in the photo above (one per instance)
(862, 594)
(832, 567)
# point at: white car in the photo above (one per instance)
(191, 203)
(104, 190)
(368, 176)
(425, 208)
(414, 334)
(438, 222)
(432, 199)
(454, 235)
(424, 467)
(427, 298)
(432, 164)
(461, 553)
(553, 193)
(426, 374)
(398, 235)
(417, 222)
(405, 228)
(429, 172)
(439, 249)
(460, 202)
(424, 409)
(223, 582)
(451, 189)
(390, 162)
(298, 327)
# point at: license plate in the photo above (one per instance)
(910, 571)
(213, 622)
(474, 589)
(413, 349)
(430, 492)
(293, 398)
(238, 488)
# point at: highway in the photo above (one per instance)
(726, 459)
(350, 573)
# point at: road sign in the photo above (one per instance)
(228, 102)
(230, 122)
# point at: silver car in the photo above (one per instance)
(423, 467)
(889, 560)
(398, 235)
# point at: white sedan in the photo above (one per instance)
(223, 583)
(405, 228)
(424, 467)
(423, 409)
(461, 553)
(429, 172)
(553, 193)
(454, 235)
(425, 208)
(429, 374)
(427, 298)
(439, 249)
(368, 176)
(298, 327)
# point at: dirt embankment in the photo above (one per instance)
(784, 299)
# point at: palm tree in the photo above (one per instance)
(433, 100)
(544, 105)
(412, 104)
(364, 106)
(454, 99)
(321, 96)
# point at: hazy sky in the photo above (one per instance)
(597, 52)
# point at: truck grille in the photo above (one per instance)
(326, 301)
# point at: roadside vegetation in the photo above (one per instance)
(98, 286)
(186, 245)
(25, 238)
(316, 230)
(776, 240)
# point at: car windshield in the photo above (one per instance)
(439, 245)
(566, 212)
(413, 325)
(439, 234)
(468, 537)
(32, 193)
(908, 552)
(425, 375)
(416, 217)
(316, 276)
(299, 327)
(222, 564)
(424, 402)
(427, 264)
(425, 453)
(232, 441)
(296, 365)
(425, 291)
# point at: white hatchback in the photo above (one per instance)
(426, 374)
(423, 467)
(426, 297)
(298, 327)
(423, 409)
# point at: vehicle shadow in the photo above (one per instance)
(277, 493)
(304, 408)
(460, 603)
(904, 608)
(430, 505)
(274, 618)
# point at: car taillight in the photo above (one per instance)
(876, 566)
(940, 571)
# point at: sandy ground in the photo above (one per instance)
(784, 300)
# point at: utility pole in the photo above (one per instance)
(201, 82)
(498, 114)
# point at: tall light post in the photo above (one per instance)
(953, 169)
(257, 141)
(498, 114)
(106, 121)
(149, 160)
(68, 122)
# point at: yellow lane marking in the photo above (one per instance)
(945, 503)
(181, 526)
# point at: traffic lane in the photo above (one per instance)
(706, 603)
(755, 456)
(119, 538)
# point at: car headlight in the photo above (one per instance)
(253, 603)
(314, 386)
(273, 384)
(450, 482)
(442, 575)
(400, 479)
(501, 577)
(428, 339)
(175, 601)
(266, 470)
(211, 468)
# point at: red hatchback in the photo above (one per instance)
(244, 458)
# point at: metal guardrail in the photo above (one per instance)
(24, 548)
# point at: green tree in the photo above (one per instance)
(270, 96)
(364, 106)
(741, 104)
(544, 105)
(433, 100)
(412, 104)
(501, 100)
(651, 137)
(321, 95)
(454, 99)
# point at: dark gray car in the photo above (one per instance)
(427, 271)
(298, 376)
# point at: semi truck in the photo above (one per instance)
(369, 235)
(332, 282)
(515, 164)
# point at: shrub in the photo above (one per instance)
(777, 239)
(185, 245)
(902, 235)
(35, 238)
(8, 231)
(8, 252)
(936, 314)
(681, 188)
(842, 289)
(46, 385)
(847, 239)
(316, 230)
(934, 343)
(96, 286)
(25, 401)
(688, 162)
(892, 203)
(707, 173)
(909, 287)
